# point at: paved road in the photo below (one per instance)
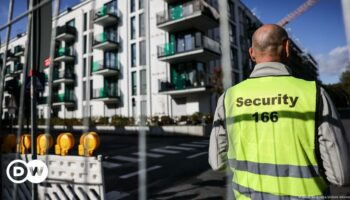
(169, 160)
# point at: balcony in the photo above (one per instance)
(101, 68)
(19, 50)
(18, 68)
(107, 95)
(105, 42)
(107, 15)
(8, 71)
(63, 99)
(183, 87)
(42, 100)
(63, 77)
(66, 33)
(198, 48)
(65, 55)
(11, 56)
(193, 14)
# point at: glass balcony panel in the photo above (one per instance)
(192, 14)
(187, 47)
(65, 33)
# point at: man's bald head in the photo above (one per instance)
(270, 43)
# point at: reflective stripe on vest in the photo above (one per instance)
(271, 131)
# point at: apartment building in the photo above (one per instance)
(138, 57)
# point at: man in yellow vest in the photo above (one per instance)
(281, 136)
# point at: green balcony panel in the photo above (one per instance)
(61, 97)
(103, 11)
(62, 51)
(176, 12)
(169, 49)
(103, 37)
(95, 66)
(103, 92)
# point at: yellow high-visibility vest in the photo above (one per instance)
(271, 131)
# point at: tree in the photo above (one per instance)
(340, 92)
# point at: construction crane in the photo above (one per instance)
(300, 10)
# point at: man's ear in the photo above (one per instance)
(287, 48)
(252, 54)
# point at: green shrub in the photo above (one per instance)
(208, 118)
(122, 121)
(100, 120)
(196, 118)
(166, 120)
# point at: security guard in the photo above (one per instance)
(280, 135)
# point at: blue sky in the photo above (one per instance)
(320, 30)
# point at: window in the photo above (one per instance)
(133, 28)
(112, 33)
(236, 77)
(84, 90)
(71, 23)
(142, 28)
(133, 83)
(133, 55)
(141, 4)
(85, 21)
(132, 6)
(91, 63)
(234, 58)
(85, 44)
(143, 52)
(233, 34)
(143, 82)
(111, 60)
(231, 6)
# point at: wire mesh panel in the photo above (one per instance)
(67, 179)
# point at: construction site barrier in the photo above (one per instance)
(69, 177)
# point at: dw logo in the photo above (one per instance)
(34, 171)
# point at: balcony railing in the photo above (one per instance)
(105, 92)
(105, 37)
(8, 71)
(199, 41)
(63, 98)
(42, 100)
(11, 56)
(181, 85)
(179, 12)
(65, 54)
(107, 11)
(63, 75)
(194, 79)
(18, 50)
(66, 32)
(18, 67)
(100, 65)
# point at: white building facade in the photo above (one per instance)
(140, 57)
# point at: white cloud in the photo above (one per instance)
(335, 62)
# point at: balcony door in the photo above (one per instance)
(112, 33)
(111, 59)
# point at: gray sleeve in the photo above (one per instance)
(218, 138)
(333, 143)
